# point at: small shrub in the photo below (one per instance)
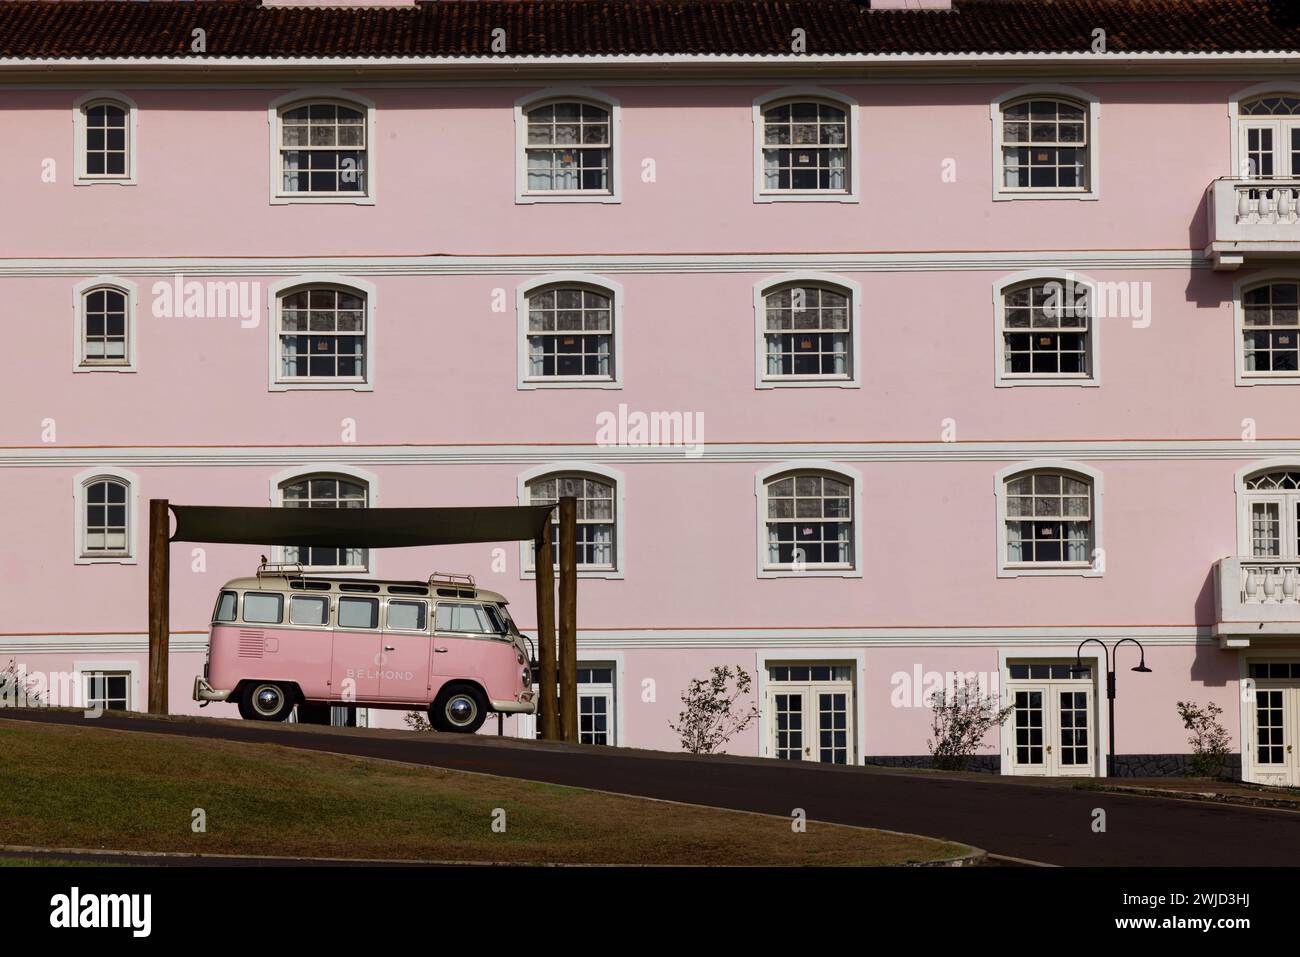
(962, 716)
(1208, 738)
(417, 721)
(712, 715)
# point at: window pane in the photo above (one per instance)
(263, 608)
(358, 612)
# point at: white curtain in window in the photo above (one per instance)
(838, 164)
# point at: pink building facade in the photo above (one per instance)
(873, 372)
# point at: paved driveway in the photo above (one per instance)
(1040, 821)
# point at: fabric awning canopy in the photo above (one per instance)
(358, 527)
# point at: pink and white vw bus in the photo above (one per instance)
(285, 638)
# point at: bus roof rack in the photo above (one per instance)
(279, 569)
(453, 580)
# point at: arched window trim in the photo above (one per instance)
(1236, 166)
(599, 283)
(79, 107)
(824, 466)
(79, 292)
(1239, 289)
(764, 287)
(304, 97)
(328, 470)
(1092, 569)
(1245, 496)
(560, 94)
(277, 290)
(1003, 379)
(807, 93)
(1050, 91)
(80, 483)
(613, 476)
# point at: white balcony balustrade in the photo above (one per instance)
(1256, 598)
(1245, 216)
(1264, 582)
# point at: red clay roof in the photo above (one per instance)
(457, 28)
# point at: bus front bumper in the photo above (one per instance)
(510, 706)
(205, 692)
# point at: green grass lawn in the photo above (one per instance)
(89, 788)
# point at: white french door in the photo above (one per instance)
(1274, 723)
(811, 720)
(1270, 148)
(1273, 524)
(1053, 729)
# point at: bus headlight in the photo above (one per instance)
(526, 676)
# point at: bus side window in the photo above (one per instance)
(495, 617)
(463, 618)
(358, 612)
(407, 615)
(226, 603)
(309, 610)
(263, 608)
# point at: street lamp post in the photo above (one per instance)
(1111, 653)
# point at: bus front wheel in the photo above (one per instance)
(266, 701)
(460, 708)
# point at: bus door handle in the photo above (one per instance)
(389, 648)
(441, 651)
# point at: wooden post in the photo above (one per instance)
(547, 715)
(159, 603)
(569, 619)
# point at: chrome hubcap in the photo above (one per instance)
(461, 709)
(267, 700)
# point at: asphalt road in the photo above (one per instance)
(1037, 821)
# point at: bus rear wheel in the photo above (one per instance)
(458, 708)
(266, 701)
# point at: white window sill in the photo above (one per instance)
(529, 574)
(557, 383)
(1256, 378)
(1002, 195)
(558, 197)
(104, 367)
(308, 199)
(1010, 381)
(321, 386)
(106, 560)
(817, 197)
(809, 572)
(83, 180)
(810, 382)
(1063, 569)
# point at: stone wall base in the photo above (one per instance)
(1126, 765)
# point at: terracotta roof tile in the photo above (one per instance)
(452, 28)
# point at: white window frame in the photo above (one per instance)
(526, 726)
(79, 484)
(79, 107)
(282, 288)
(613, 476)
(328, 470)
(804, 656)
(1281, 88)
(1048, 91)
(1239, 289)
(79, 361)
(840, 284)
(305, 97)
(1004, 379)
(600, 284)
(1247, 496)
(85, 668)
(1089, 655)
(839, 471)
(799, 94)
(581, 94)
(1058, 569)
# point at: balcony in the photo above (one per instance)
(1255, 598)
(1252, 218)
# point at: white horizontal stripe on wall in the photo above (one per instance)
(768, 452)
(756, 263)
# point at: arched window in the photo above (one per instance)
(1046, 330)
(106, 516)
(1269, 137)
(570, 333)
(105, 135)
(1270, 522)
(805, 147)
(322, 335)
(1045, 143)
(105, 314)
(1270, 329)
(325, 491)
(807, 332)
(808, 520)
(597, 497)
(1048, 517)
(323, 150)
(568, 148)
